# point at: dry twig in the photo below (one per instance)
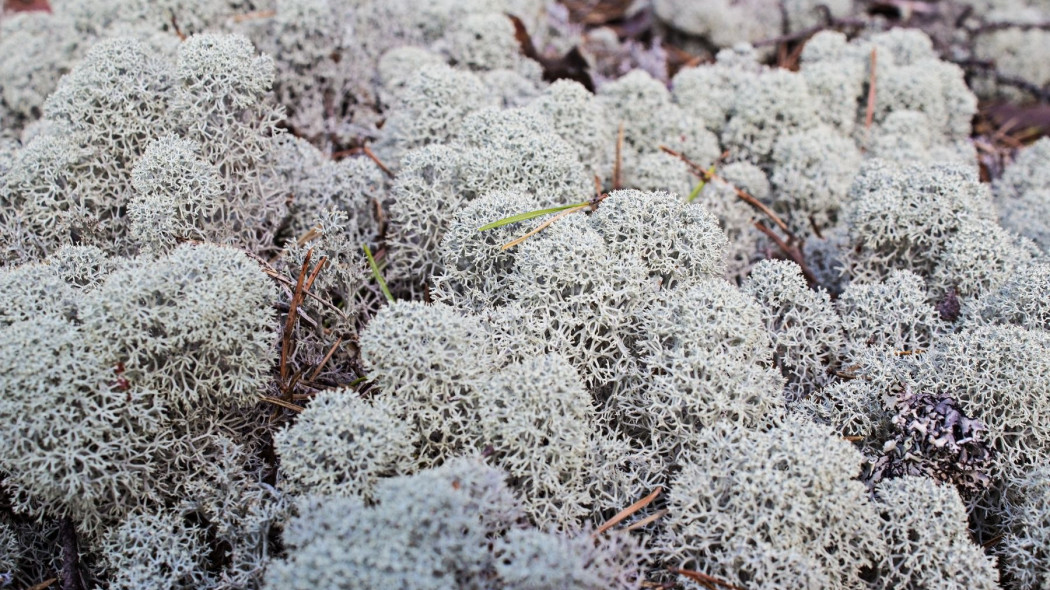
(70, 574)
(708, 176)
(368, 152)
(792, 249)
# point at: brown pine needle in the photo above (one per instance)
(317, 270)
(43, 585)
(648, 519)
(705, 579)
(240, 18)
(325, 360)
(869, 113)
(853, 438)
(909, 352)
(309, 236)
(368, 152)
(626, 512)
(992, 542)
(280, 402)
(542, 226)
(619, 158)
(302, 285)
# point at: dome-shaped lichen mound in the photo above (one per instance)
(431, 530)
(342, 445)
(427, 360)
(772, 509)
(704, 356)
(924, 525)
(677, 243)
(801, 323)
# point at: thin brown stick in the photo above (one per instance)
(289, 324)
(325, 360)
(626, 512)
(853, 438)
(276, 275)
(705, 579)
(43, 585)
(313, 277)
(368, 152)
(618, 166)
(869, 113)
(707, 176)
(793, 252)
(240, 18)
(280, 402)
(175, 26)
(648, 519)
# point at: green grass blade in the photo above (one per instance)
(375, 273)
(527, 216)
(699, 187)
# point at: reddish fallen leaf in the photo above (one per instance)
(571, 66)
(1029, 121)
(596, 14)
(26, 5)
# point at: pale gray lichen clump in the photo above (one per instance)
(495, 150)
(160, 198)
(726, 23)
(805, 330)
(934, 221)
(773, 509)
(924, 525)
(446, 391)
(341, 445)
(100, 122)
(1022, 195)
(456, 526)
(535, 560)
(115, 380)
(430, 530)
(155, 550)
(891, 314)
(704, 357)
(1023, 300)
(1025, 553)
